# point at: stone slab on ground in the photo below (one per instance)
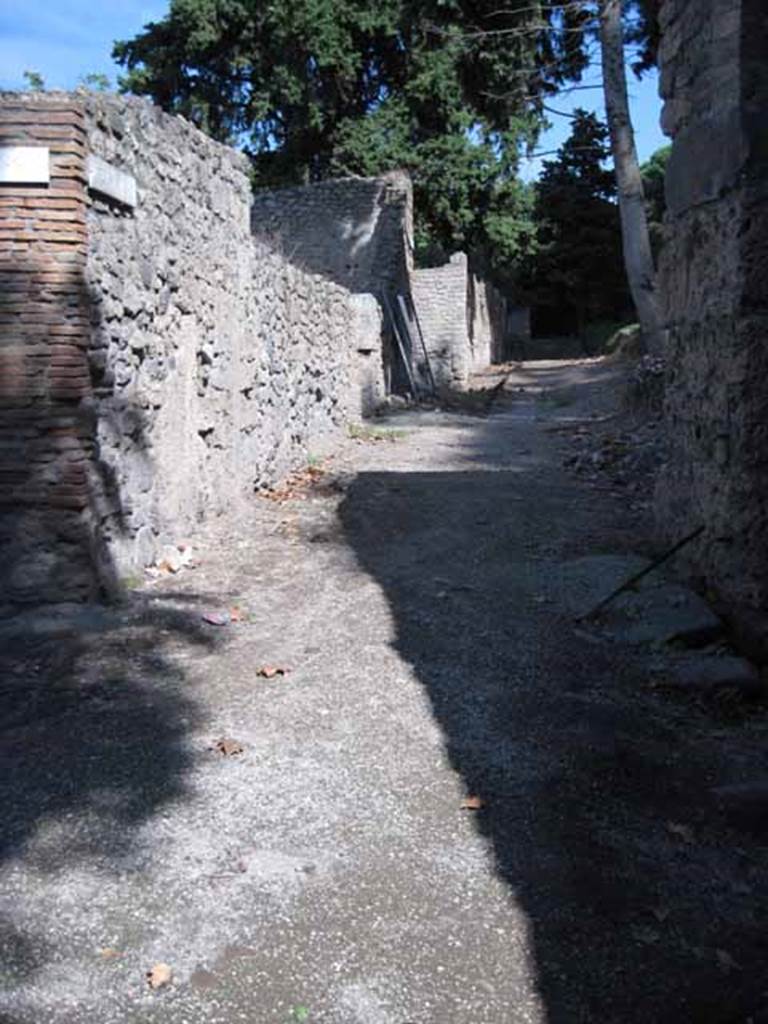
(664, 614)
(654, 612)
(583, 582)
(710, 673)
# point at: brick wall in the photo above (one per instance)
(45, 433)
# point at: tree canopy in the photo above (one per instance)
(577, 275)
(451, 90)
(319, 88)
(653, 171)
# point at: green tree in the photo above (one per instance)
(654, 171)
(319, 88)
(97, 81)
(613, 23)
(577, 276)
(35, 81)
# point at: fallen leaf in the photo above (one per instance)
(227, 747)
(108, 953)
(216, 618)
(159, 976)
(270, 671)
(725, 961)
(684, 832)
(472, 803)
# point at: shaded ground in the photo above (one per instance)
(421, 608)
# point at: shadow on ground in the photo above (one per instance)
(93, 725)
(582, 768)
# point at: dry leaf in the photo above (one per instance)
(108, 953)
(270, 671)
(227, 747)
(216, 618)
(472, 803)
(684, 832)
(159, 976)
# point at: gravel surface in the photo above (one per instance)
(414, 598)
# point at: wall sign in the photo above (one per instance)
(24, 165)
(111, 182)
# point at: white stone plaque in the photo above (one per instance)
(111, 182)
(24, 165)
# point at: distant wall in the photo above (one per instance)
(440, 297)
(354, 231)
(714, 80)
(488, 322)
(463, 318)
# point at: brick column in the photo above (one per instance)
(45, 434)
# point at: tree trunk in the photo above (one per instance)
(638, 257)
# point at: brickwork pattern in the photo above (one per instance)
(45, 432)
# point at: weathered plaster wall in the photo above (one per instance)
(354, 231)
(488, 322)
(440, 297)
(714, 80)
(463, 318)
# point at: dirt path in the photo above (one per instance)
(422, 612)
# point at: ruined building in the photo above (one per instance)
(170, 343)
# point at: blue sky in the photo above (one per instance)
(66, 39)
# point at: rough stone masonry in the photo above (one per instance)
(158, 361)
(714, 79)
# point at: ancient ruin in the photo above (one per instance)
(173, 343)
(715, 86)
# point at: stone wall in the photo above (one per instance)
(714, 79)
(440, 297)
(488, 322)
(463, 318)
(358, 233)
(354, 231)
(218, 362)
(172, 363)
